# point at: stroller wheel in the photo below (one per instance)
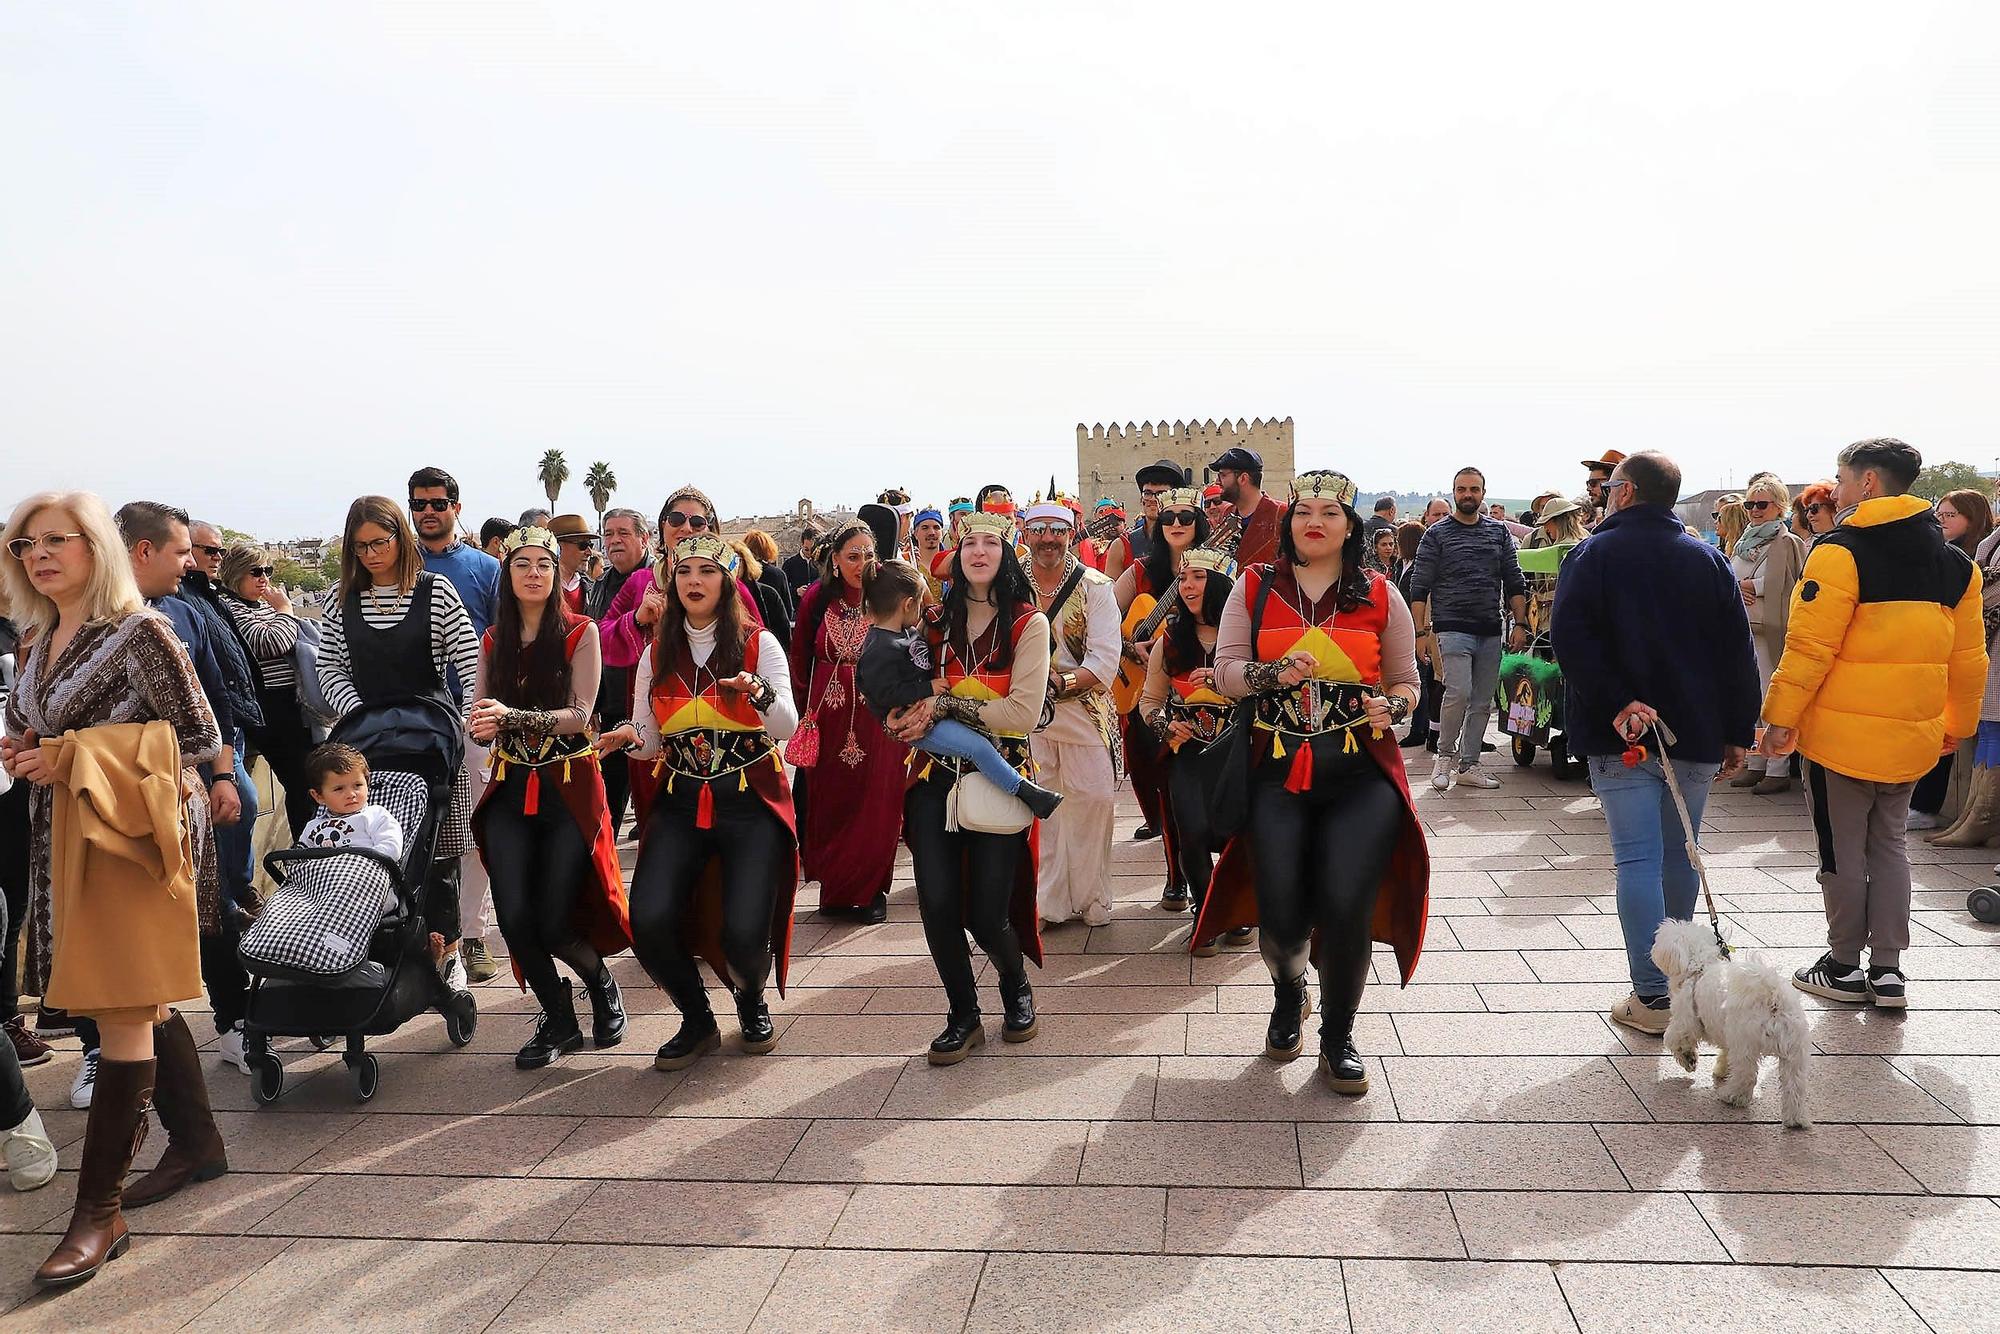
(1524, 751)
(367, 1076)
(268, 1080)
(320, 1041)
(461, 1019)
(1984, 903)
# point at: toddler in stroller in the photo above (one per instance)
(341, 948)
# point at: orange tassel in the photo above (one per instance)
(1301, 776)
(704, 809)
(531, 800)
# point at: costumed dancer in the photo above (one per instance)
(719, 861)
(928, 539)
(543, 824)
(1146, 595)
(1185, 713)
(1331, 846)
(991, 647)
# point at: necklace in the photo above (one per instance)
(375, 599)
(1043, 594)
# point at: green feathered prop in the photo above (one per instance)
(1527, 679)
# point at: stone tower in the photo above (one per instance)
(1107, 456)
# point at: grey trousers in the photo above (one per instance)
(1470, 673)
(1864, 868)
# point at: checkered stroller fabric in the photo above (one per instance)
(321, 920)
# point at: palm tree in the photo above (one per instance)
(601, 482)
(554, 471)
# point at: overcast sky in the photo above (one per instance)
(259, 258)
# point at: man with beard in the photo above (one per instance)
(626, 533)
(928, 535)
(1240, 474)
(1465, 567)
(434, 512)
(1073, 753)
(1596, 473)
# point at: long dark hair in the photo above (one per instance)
(1353, 589)
(732, 635)
(1010, 592)
(1160, 570)
(1184, 650)
(534, 675)
(828, 559)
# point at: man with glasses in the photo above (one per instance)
(1597, 472)
(575, 544)
(434, 510)
(1155, 480)
(1214, 505)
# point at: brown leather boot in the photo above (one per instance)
(111, 1137)
(194, 1146)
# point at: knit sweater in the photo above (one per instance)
(1465, 571)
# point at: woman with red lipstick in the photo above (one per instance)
(542, 825)
(718, 864)
(1331, 849)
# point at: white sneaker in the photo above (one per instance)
(231, 1048)
(1477, 777)
(1920, 820)
(1096, 915)
(453, 971)
(31, 1158)
(85, 1084)
(1441, 772)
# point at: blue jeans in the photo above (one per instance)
(233, 842)
(952, 737)
(1655, 878)
(1470, 672)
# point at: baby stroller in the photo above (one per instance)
(1530, 700)
(341, 948)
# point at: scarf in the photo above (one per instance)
(1757, 535)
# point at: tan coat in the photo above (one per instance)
(121, 888)
(1780, 563)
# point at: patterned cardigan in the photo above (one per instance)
(125, 669)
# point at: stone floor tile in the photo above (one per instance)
(1665, 1299)
(1533, 884)
(1968, 1085)
(471, 1208)
(1405, 1224)
(1455, 1156)
(378, 1286)
(1950, 1302)
(1142, 1294)
(1583, 1225)
(1098, 1035)
(707, 1213)
(1864, 1029)
(1003, 1218)
(695, 1148)
(1191, 1153)
(1483, 966)
(266, 1141)
(1579, 965)
(1948, 1160)
(1561, 1034)
(1107, 970)
(160, 1283)
(1237, 1032)
(785, 1086)
(885, 938)
(414, 1145)
(899, 1292)
(957, 1152)
(1251, 1088)
(596, 1288)
(1843, 1088)
(231, 1205)
(599, 1084)
(1379, 998)
(1510, 1088)
(1917, 1231)
(1951, 963)
(1514, 932)
(1159, 933)
(1827, 1158)
(897, 1035)
(1178, 999)
(1036, 1088)
(1233, 967)
(1601, 932)
(861, 970)
(454, 1083)
(1550, 997)
(1462, 1296)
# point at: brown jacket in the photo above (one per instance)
(121, 883)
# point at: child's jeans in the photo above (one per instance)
(952, 737)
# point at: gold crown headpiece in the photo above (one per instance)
(985, 521)
(706, 546)
(1323, 484)
(1213, 559)
(528, 537)
(1181, 498)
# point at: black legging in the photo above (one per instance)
(964, 883)
(1320, 858)
(752, 843)
(14, 883)
(284, 742)
(15, 1104)
(223, 975)
(536, 864)
(1193, 845)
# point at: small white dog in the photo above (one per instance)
(1742, 1006)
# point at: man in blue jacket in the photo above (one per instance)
(1649, 626)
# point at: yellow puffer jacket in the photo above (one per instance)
(1885, 654)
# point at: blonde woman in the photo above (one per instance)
(1729, 522)
(95, 660)
(1767, 558)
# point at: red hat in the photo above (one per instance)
(1213, 491)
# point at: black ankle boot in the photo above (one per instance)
(556, 1034)
(1290, 1003)
(1340, 1061)
(607, 1009)
(877, 910)
(1019, 999)
(1414, 739)
(962, 1032)
(1174, 898)
(1144, 832)
(698, 1034)
(1040, 800)
(759, 1036)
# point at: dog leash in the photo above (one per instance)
(1666, 738)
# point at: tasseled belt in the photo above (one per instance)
(706, 754)
(563, 750)
(1312, 708)
(1208, 720)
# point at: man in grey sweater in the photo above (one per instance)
(1465, 566)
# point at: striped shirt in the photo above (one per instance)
(271, 635)
(453, 643)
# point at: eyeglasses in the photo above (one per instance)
(679, 519)
(1759, 505)
(439, 505)
(539, 565)
(1154, 492)
(261, 571)
(374, 547)
(1044, 529)
(53, 543)
(1180, 518)
(213, 553)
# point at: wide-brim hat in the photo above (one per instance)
(1558, 507)
(1612, 458)
(1165, 473)
(571, 525)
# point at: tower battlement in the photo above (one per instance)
(1108, 456)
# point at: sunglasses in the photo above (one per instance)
(53, 543)
(261, 571)
(1819, 509)
(1180, 518)
(1044, 529)
(374, 547)
(1760, 505)
(419, 506)
(678, 519)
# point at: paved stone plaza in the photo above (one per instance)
(1521, 1165)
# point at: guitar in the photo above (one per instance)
(1142, 621)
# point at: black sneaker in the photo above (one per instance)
(1835, 981)
(1144, 832)
(53, 1023)
(555, 1036)
(1885, 988)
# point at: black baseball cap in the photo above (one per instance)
(1238, 459)
(1164, 473)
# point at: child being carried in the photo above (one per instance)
(895, 671)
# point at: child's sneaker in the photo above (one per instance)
(1835, 981)
(1885, 988)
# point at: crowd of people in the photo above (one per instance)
(970, 681)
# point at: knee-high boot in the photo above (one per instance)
(195, 1150)
(111, 1137)
(1979, 822)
